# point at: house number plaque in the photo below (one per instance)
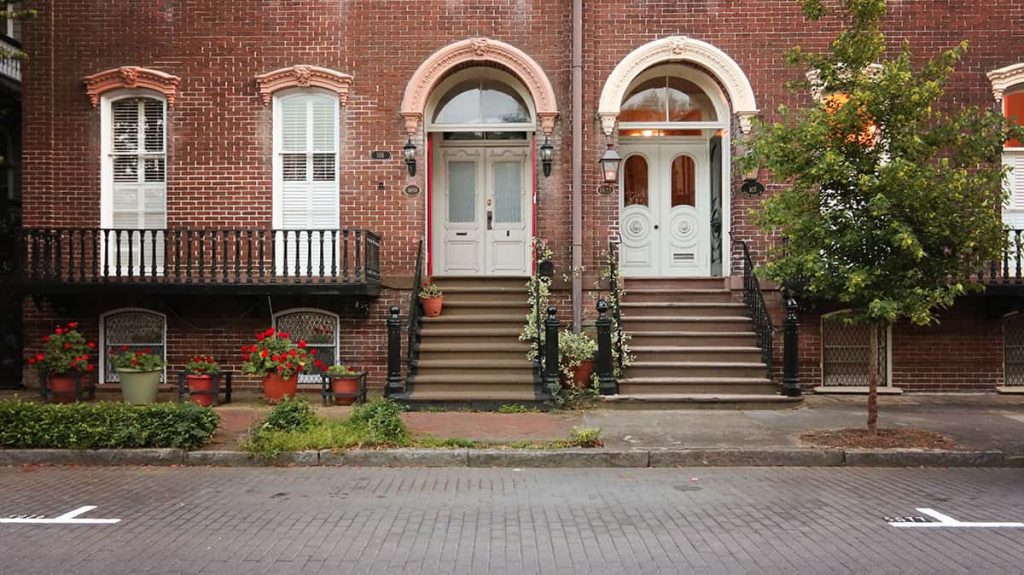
(380, 155)
(412, 190)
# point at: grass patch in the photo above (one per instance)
(514, 408)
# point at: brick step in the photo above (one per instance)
(478, 282)
(698, 369)
(489, 307)
(673, 283)
(639, 324)
(640, 295)
(693, 338)
(742, 354)
(682, 309)
(702, 385)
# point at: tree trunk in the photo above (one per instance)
(873, 352)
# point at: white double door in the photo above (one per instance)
(481, 210)
(665, 218)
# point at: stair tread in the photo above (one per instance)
(519, 318)
(635, 333)
(694, 380)
(469, 395)
(486, 289)
(476, 363)
(696, 364)
(483, 346)
(680, 304)
(696, 348)
(695, 291)
(700, 397)
(504, 378)
(487, 303)
(666, 318)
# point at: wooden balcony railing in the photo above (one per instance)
(344, 260)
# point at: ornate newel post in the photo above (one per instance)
(605, 374)
(791, 351)
(394, 383)
(551, 371)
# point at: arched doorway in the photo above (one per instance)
(673, 103)
(480, 124)
(671, 125)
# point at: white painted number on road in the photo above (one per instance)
(69, 518)
(942, 520)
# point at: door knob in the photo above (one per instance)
(655, 226)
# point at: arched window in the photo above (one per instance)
(667, 99)
(131, 329)
(481, 103)
(320, 330)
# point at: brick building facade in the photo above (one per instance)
(211, 64)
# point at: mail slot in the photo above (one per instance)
(462, 233)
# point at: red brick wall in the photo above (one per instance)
(219, 131)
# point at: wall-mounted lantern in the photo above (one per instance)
(547, 155)
(409, 153)
(610, 165)
(751, 186)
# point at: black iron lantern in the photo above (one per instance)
(547, 154)
(610, 165)
(409, 152)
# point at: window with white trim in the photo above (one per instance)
(1013, 157)
(318, 328)
(135, 181)
(305, 179)
(131, 330)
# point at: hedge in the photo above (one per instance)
(25, 425)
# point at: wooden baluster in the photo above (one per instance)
(359, 272)
(320, 233)
(344, 254)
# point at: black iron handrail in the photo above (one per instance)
(615, 301)
(415, 313)
(200, 256)
(753, 297)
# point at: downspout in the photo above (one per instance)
(577, 164)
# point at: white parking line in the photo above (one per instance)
(69, 518)
(947, 521)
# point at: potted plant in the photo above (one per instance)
(139, 372)
(278, 361)
(64, 358)
(343, 380)
(576, 357)
(432, 298)
(199, 372)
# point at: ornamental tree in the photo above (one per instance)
(890, 196)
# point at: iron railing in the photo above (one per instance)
(1007, 271)
(753, 297)
(199, 257)
(615, 303)
(415, 313)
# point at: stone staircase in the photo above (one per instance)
(472, 352)
(691, 341)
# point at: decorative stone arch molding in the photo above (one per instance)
(677, 49)
(302, 76)
(479, 50)
(1005, 78)
(131, 77)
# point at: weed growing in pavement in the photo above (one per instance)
(514, 408)
(586, 437)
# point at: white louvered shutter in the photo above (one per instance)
(308, 164)
(139, 168)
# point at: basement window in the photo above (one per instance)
(320, 330)
(131, 330)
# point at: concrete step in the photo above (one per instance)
(484, 378)
(643, 369)
(474, 351)
(696, 385)
(640, 295)
(442, 335)
(699, 401)
(637, 324)
(466, 396)
(478, 282)
(673, 283)
(682, 309)
(742, 354)
(488, 307)
(693, 338)
(471, 323)
(481, 362)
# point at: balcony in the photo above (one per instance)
(343, 261)
(10, 68)
(1006, 277)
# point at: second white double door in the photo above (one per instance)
(665, 217)
(481, 211)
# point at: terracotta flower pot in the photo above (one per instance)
(203, 384)
(345, 385)
(581, 376)
(276, 388)
(62, 387)
(139, 387)
(432, 306)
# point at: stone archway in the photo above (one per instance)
(677, 49)
(478, 50)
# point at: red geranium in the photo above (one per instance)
(274, 352)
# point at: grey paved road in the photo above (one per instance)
(344, 520)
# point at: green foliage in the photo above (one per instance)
(890, 203)
(64, 351)
(202, 365)
(23, 12)
(274, 352)
(105, 425)
(586, 437)
(513, 408)
(341, 371)
(140, 359)
(291, 414)
(430, 290)
(573, 350)
(381, 420)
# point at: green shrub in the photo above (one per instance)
(104, 425)
(513, 408)
(586, 437)
(380, 422)
(292, 414)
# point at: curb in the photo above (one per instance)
(516, 458)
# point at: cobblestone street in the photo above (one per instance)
(338, 520)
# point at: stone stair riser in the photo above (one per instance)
(642, 324)
(481, 283)
(714, 310)
(684, 354)
(673, 283)
(679, 297)
(668, 388)
(724, 370)
(701, 340)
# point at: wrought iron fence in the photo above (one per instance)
(190, 256)
(753, 297)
